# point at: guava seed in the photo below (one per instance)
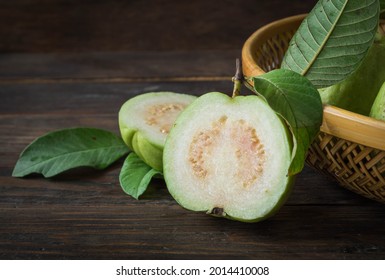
(160, 114)
(247, 149)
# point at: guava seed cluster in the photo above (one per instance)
(247, 150)
(162, 116)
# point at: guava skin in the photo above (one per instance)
(272, 212)
(271, 198)
(141, 137)
(148, 152)
(378, 108)
(357, 92)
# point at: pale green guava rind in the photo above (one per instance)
(144, 139)
(378, 108)
(220, 190)
(358, 91)
(148, 152)
(276, 208)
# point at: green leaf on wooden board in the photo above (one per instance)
(65, 149)
(332, 40)
(135, 176)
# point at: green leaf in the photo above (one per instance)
(382, 6)
(332, 40)
(296, 100)
(135, 176)
(62, 150)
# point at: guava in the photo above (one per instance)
(357, 92)
(378, 108)
(145, 121)
(229, 157)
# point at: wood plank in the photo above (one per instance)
(117, 67)
(89, 98)
(83, 26)
(85, 214)
(170, 232)
(320, 220)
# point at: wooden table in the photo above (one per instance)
(84, 214)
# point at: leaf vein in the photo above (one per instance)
(69, 154)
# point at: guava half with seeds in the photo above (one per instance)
(145, 121)
(229, 157)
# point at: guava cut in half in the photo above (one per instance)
(229, 157)
(145, 121)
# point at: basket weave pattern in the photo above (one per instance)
(270, 54)
(359, 168)
(356, 167)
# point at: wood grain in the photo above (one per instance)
(115, 25)
(73, 63)
(84, 213)
(117, 67)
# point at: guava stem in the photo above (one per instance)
(238, 78)
(217, 211)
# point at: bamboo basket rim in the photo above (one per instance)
(338, 122)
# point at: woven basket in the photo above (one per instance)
(350, 147)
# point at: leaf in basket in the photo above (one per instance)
(332, 40)
(293, 97)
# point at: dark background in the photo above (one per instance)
(36, 26)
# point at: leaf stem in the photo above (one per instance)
(238, 78)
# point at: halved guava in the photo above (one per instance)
(145, 121)
(229, 157)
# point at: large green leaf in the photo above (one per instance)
(135, 176)
(332, 40)
(62, 150)
(294, 98)
(382, 6)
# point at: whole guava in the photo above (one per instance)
(378, 108)
(357, 92)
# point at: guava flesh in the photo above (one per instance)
(357, 92)
(145, 121)
(229, 157)
(378, 108)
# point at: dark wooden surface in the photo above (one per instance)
(84, 213)
(121, 25)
